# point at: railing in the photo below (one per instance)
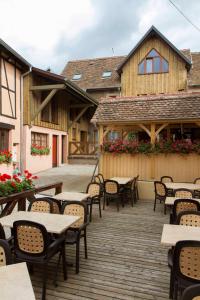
(80, 148)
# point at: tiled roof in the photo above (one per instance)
(92, 70)
(148, 108)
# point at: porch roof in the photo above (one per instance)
(181, 106)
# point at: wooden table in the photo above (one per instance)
(20, 198)
(71, 196)
(170, 200)
(121, 180)
(54, 223)
(181, 185)
(15, 283)
(171, 234)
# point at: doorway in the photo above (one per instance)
(64, 149)
(55, 151)
(83, 140)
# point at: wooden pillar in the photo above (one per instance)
(168, 134)
(100, 134)
(153, 133)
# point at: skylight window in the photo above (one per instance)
(76, 76)
(106, 74)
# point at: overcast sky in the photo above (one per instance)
(48, 33)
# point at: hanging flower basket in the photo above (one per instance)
(39, 150)
(5, 157)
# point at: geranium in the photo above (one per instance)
(5, 157)
(16, 183)
(39, 150)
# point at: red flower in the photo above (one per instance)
(35, 177)
(13, 184)
(26, 171)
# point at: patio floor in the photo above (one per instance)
(125, 259)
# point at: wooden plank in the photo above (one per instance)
(47, 87)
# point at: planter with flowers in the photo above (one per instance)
(39, 150)
(5, 157)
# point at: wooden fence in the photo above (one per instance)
(80, 148)
(182, 168)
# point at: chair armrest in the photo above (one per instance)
(55, 244)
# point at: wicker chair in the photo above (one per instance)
(5, 253)
(78, 230)
(94, 190)
(197, 180)
(41, 205)
(33, 244)
(130, 191)
(160, 193)
(197, 192)
(181, 205)
(186, 266)
(191, 293)
(189, 218)
(112, 192)
(183, 193)
(168, 179)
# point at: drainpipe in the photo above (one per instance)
(22, 146)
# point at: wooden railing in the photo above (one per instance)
(80, 148)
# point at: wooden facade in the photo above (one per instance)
(134, 84)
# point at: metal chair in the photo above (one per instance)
(78, 230)
(94, 190)
(33, 244)
(160, 194)
(112, 192)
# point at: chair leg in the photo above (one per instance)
(165, 208)
(64, 262)
(154, 208)
(171, 288)
(117, 202)
(85, 243)
(77, 255)
(104, 201)
(44, 281)
(56, 272)
(100, 208)
(91, 211)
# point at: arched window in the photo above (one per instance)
(153, 63)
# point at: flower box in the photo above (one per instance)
(5, 157)
(39, 150)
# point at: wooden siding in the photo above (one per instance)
(125, 259)
(182, 168)
(33, 100)
(134, 84)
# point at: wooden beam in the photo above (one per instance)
(153, 133)
(145, 129)
(101, 134)
(44, 103)
(161, 128)
(79, 115)
(47, 87)
(81, 105)
(105, 132)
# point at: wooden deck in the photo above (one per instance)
(126, 260)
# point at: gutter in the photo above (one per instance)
(22, 141)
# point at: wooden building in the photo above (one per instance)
(57, 113)
(159, 100)
(12, 70)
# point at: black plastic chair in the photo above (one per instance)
(77, 230)
(191, 292)
(112, 192)
(181, 205)
(41, 205)
(160, 194)
(34, 245)
(5, 253)
(94, 190)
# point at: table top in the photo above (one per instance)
(122, 180)
(54, 223)
(181, 185)
(15, 282)
(71, 196)
(171, 234)
(170, 200)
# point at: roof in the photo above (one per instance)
(6, 48)
(149, 108)
(92, 70)
(153, 32)
(194, 74)
(61, 79)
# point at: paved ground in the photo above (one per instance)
(74, 177)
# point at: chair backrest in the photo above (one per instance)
(160, 189)
(197, 180)
(2, 233)
(30, 238)
(93, 189)
(101, 178)
(181, 205)
(56, 206)
(166, 179)
(192, 292)
(74, 208)
(183, 193)
(189, 218)
(5, 253)
(111, 187)
(186, 260)
(97, 179)
(133, 183)
(41, 205)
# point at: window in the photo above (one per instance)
(40, 139)
(113, 135)
(76, 76)
(50, 112)
(153, 63)
(4, 139)
(106, 74)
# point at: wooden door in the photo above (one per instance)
(54, 151)
(83, 139)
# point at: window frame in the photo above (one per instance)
(104, 72)
(152, 59)
(6, 131)
(77, 74)
(37, 139)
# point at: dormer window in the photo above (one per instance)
(153, 63)
(106, 74)
(77, 76)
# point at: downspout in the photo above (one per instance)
(22, 146)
